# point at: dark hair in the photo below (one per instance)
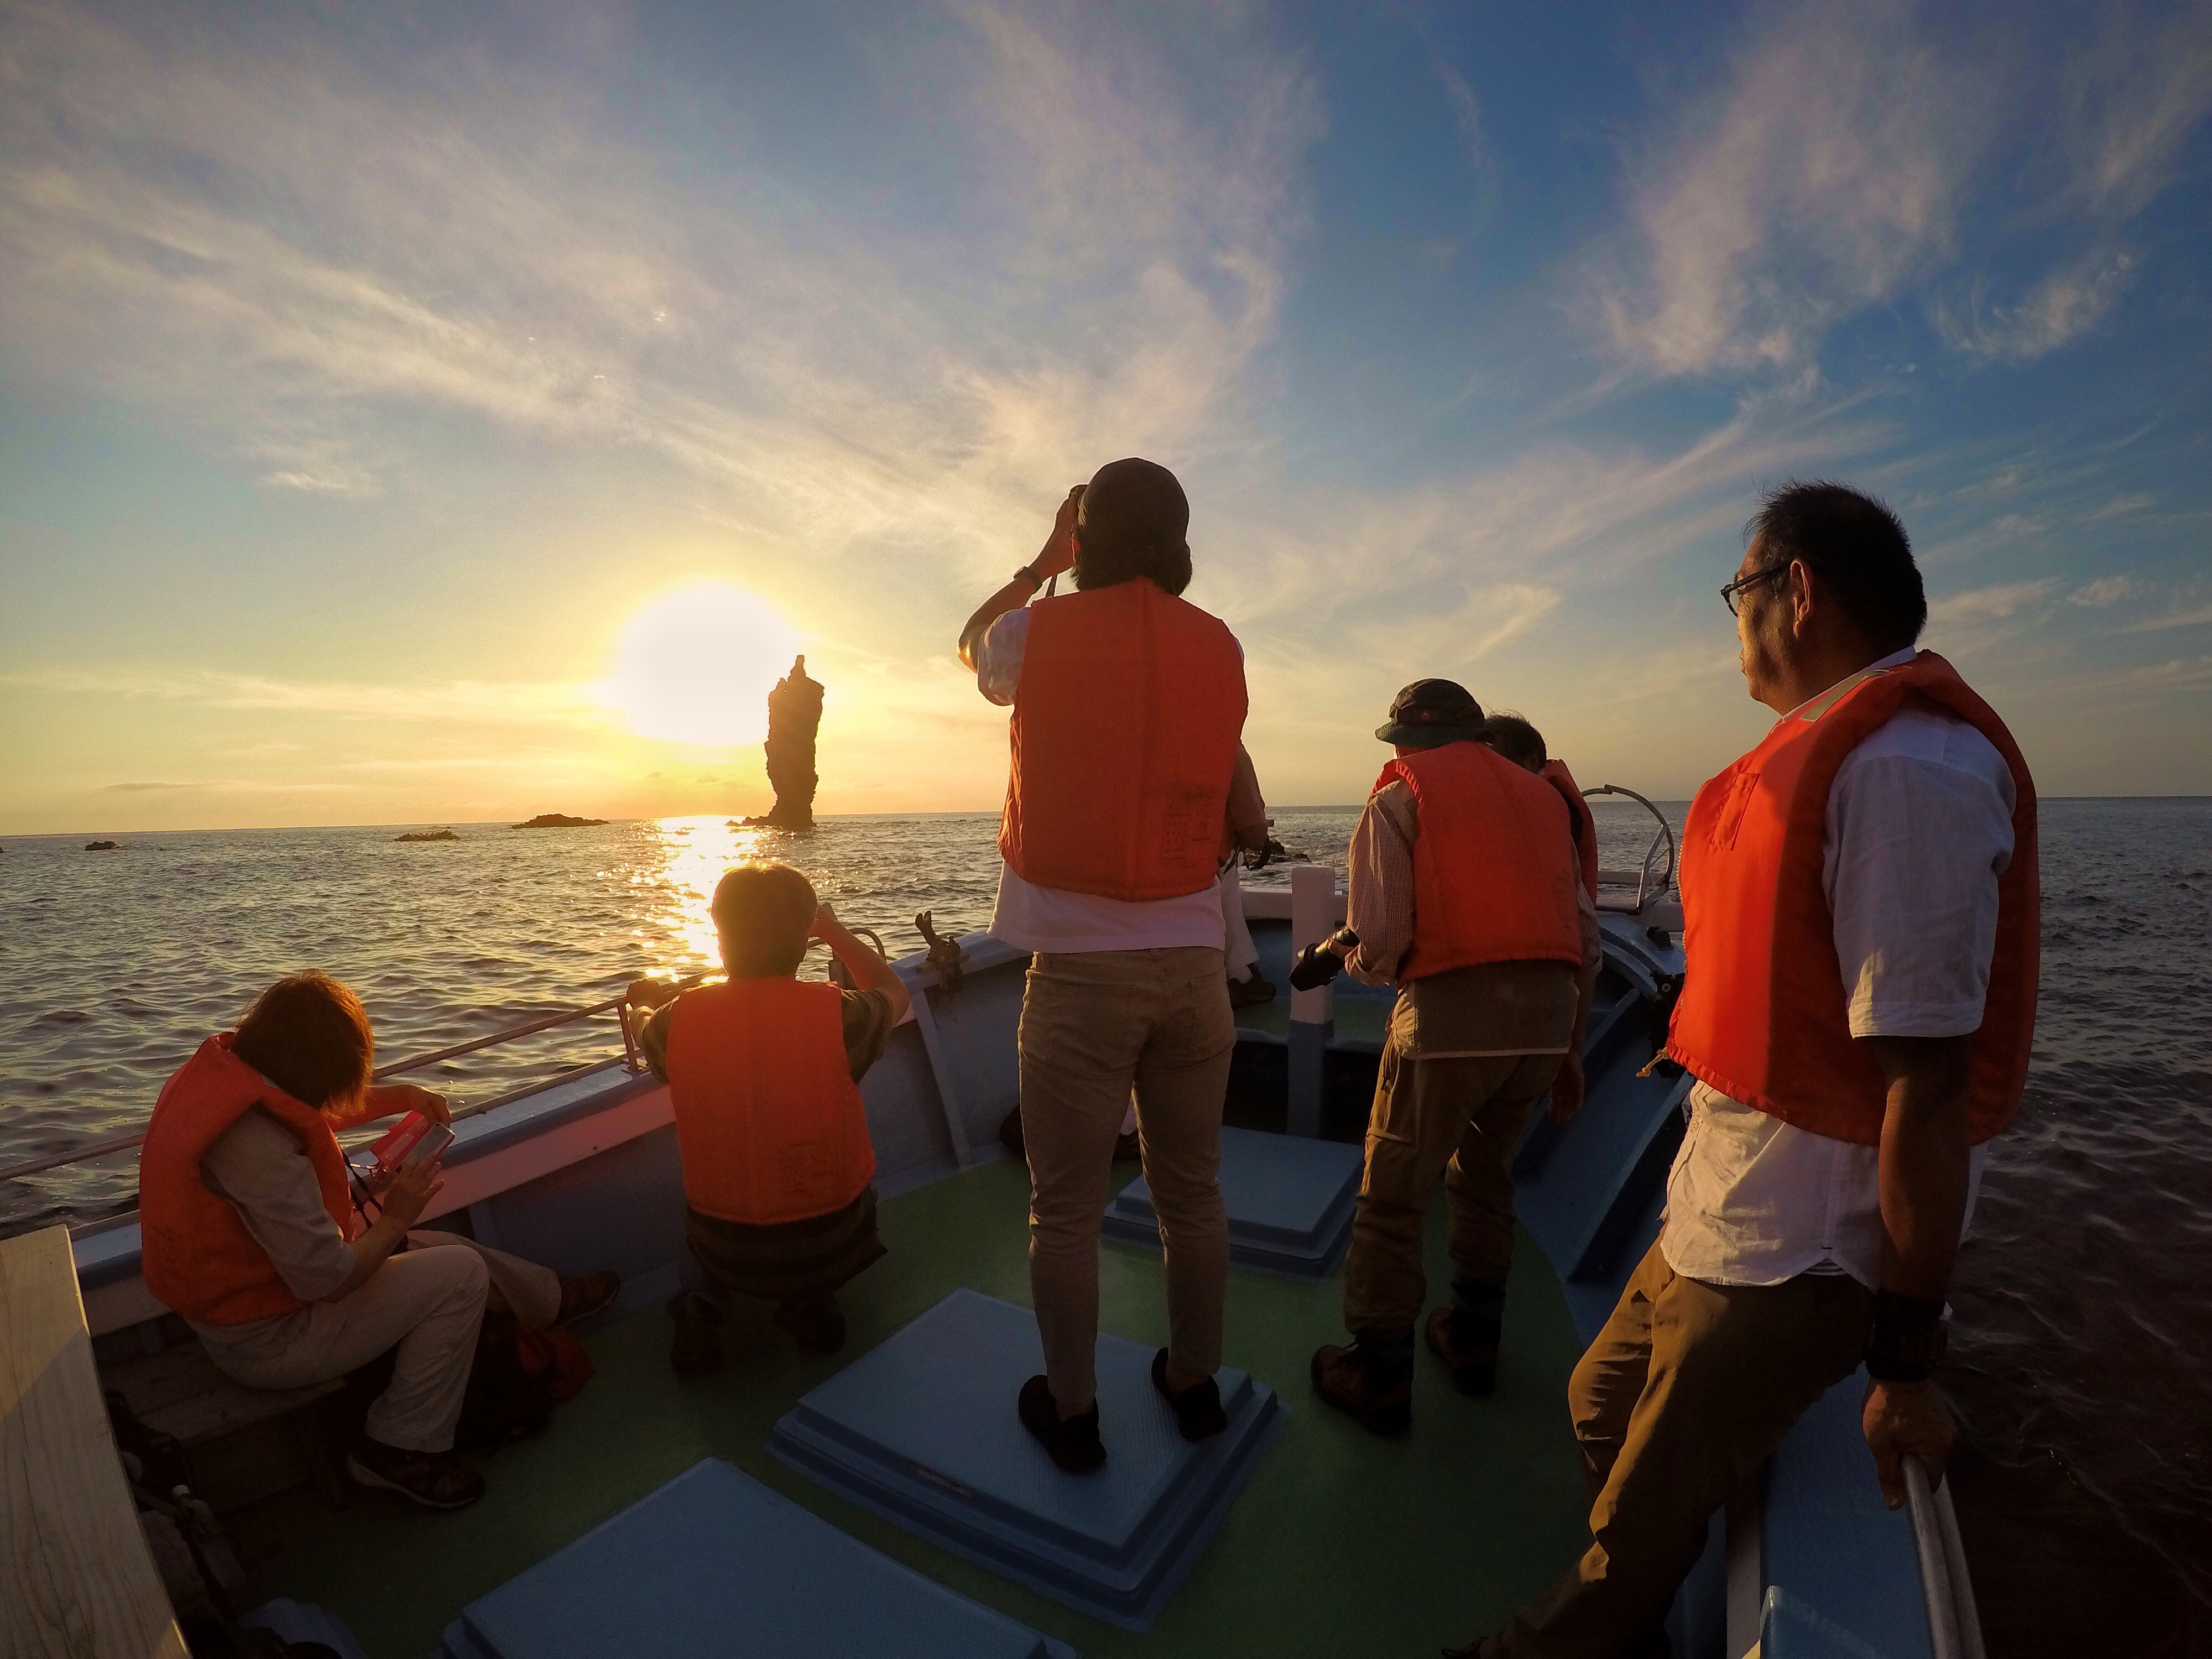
(1132, 522)
(1516, 740)
(1857, 548)
(764, 912)
(309, 1035)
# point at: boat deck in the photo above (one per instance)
(1342, 1542)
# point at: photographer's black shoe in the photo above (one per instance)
(1073, 1442)
(1198, 1409)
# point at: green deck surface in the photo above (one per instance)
(1342, 1543)
(1355, 1019)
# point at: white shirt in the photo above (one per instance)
(1919, 828)
(1037, 918)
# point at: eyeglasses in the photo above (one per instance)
(1744, 583)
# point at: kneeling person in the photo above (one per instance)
(249, 1232)
(765, 1070)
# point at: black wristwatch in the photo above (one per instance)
(1910, 1336)
(1031, 577)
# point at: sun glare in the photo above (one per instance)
(696, 665)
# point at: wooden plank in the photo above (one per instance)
(179, 1392)
(78, 1578)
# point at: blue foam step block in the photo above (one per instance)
(714, 1563)
(923, 1432)
(1290, 1202)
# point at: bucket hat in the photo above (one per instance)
(1428, 712)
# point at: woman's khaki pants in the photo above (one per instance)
(1093, 1024)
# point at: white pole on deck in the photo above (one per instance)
(1314, 912)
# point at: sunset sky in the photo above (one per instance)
(366, 371)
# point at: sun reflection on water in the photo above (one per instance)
(694, 854)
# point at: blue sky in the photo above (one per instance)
(363, 372)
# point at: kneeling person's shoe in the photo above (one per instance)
(1381, 1397)
(1073, 1441)
(436, 1481)
(697, 1350)
(1471, 1361)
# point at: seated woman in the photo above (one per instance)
(765, 1071)
(249, 1230)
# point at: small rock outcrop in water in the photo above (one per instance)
(794, 713)
(100, 847)
(556, 821)
(441, 833)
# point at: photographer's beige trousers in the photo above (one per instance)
(1093, 1024)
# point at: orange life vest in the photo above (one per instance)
(1764, 1016)
(196, 1253)
(1493, 873)
(1556, 774)
(768, 1120)
(1125, 721)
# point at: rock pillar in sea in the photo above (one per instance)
(794, 711)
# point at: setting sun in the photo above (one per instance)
(695, 665)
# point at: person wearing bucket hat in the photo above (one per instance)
(1464, 891)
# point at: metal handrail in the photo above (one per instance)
(1666, 831)
(124, 1143)
(1954, 1625)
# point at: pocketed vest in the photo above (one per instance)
(1555, 773)
(768, 1120)
(1764, 1015)
(1493, 869)
(196, 1253)
(1125, 728)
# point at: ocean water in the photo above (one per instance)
(2084, 1296)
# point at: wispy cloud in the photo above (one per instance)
(1984, 604)
(2120, 506)
(145, 789)
(285, 247)
(2191, 618)
(2132, 99)
(2104, 592)
(471, 701)
(2059, 310)
(1825, 176)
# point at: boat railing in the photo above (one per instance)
(619, 1006)
(1646, 884)
(1955, 1625)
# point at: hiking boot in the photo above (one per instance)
(1198, 1409)
(436, 1481)
(1073, 1441)
(1472, 1360)
(1251, 993)
(1379, 1395)
(582, 1297)
(1129, 1148)
(816, 1322)
(697, 1350)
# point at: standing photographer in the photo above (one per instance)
(1463, 890)
(1128, 704)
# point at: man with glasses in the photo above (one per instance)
(1861, 919)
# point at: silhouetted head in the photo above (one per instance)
(309, 1035)
(1131, 522)
(763, 913)
(1516, 740)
